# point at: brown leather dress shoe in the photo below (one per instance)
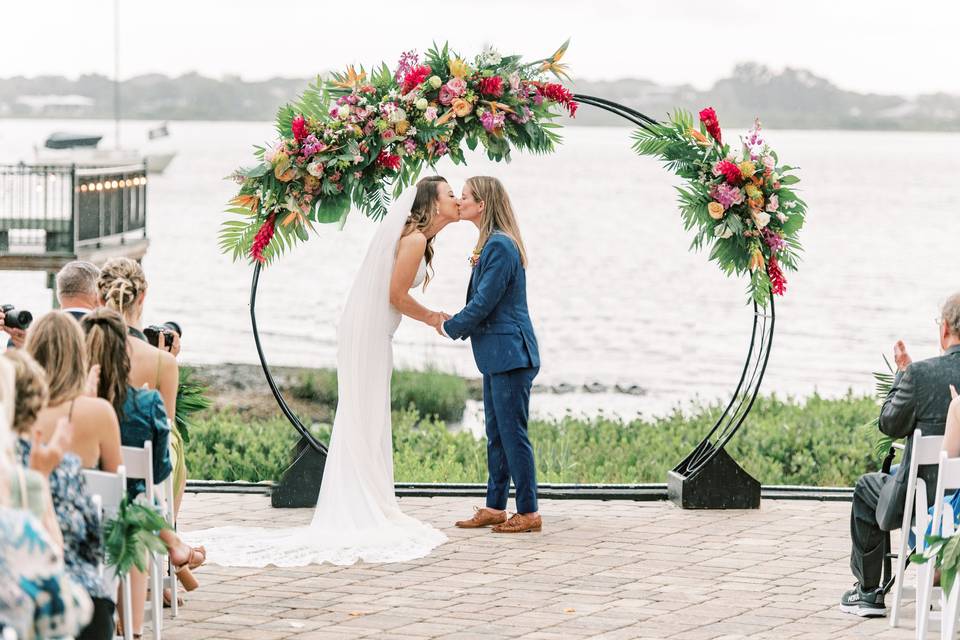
(482, 518)
(519, 523)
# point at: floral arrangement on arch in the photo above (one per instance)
(349, 137)
(742, 203)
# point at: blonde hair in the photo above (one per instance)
(31, 389)
(121, 284)
(423, 211)
(497, 212)
(56, 342)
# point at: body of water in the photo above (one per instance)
(616, 295)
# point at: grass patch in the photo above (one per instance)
(816, 441)
(431, 393)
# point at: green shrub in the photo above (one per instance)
(431, 393)
(813, 442)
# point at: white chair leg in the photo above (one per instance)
(924, 597)
(157, 596)
(898, 586)
(127, 599)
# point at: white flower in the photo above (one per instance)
(421, 104)
(760, 218)
(412, 131)
(397, 115)
(430, 114)
(315, 169)
(435, 82)
(343, 112)
(781, 217)
(489, 57)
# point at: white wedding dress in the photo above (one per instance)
(357, 515)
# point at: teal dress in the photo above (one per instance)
(37, 597)
(145, 419)
(79, 522)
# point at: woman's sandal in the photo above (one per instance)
(166, 599)
(196, 557)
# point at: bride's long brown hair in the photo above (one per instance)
(422, 212)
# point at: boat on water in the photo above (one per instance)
(64, 148)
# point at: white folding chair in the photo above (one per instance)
(165, 492)
(925, 451)
(948, 479)
(108, 490)
(139, 464)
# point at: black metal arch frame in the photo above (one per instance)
(726, 426)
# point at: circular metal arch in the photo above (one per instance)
(726, 426)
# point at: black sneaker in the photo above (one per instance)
(866, 604)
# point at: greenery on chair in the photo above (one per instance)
(131, 534)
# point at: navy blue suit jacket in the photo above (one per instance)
(496, 318)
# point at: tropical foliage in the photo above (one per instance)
(350, 137)
(131, 534)
(740, 204)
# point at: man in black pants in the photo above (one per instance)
(919, 400)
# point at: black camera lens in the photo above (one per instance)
(16, 319)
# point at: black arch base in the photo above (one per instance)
(719, 484)
(300, 484)
(707, 478)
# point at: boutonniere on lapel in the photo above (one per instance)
(475, 257)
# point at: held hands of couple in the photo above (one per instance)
(436, 320)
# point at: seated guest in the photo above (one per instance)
(77, 288)
(56, 341)
(920, 399)
(142, 419)
(123, 287)
(76, 512)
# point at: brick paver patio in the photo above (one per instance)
(599, 570)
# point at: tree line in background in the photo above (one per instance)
(792, 98)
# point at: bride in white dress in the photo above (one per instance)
(357, 515)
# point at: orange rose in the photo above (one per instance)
(715, 209)
(461, 107)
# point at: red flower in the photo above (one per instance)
(561, 95)
(492, 86)
(299, 127)
(709, 119)
(728, 169)
(778, 284)
(388, 160)
(415, 77)
(263, 238)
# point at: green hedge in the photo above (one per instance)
(431, 393)
(813, 442)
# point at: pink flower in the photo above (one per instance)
(769, 164)
(388, 135)
(409, 145)
(491, 121)
(727, 195)
(446, 96)
(408, 60)
(457, 86)
(430, 114)
(773, 203)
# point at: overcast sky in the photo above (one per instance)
(866, 45)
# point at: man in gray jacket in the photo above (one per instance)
(918, 401)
